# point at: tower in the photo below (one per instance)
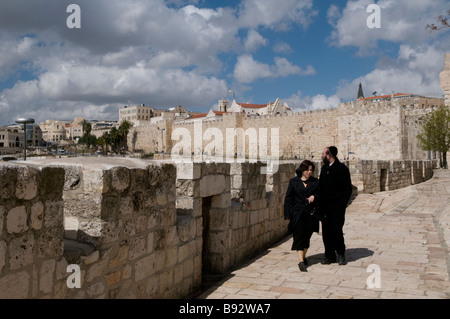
(360, 92)
(223, 105)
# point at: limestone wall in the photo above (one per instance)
(362, 129)
(151, 230)
(31, 231)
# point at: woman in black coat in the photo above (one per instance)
(301, 192)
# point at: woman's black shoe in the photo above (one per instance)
(305, 260)
(302, 266)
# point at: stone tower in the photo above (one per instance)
(445, 78)
(223, 105)
(360, 92)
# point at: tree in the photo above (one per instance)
(442, 20)
(87, 128)
(436, 133)
(104, 141)
(124, 129)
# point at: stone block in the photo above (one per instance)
(16, 220)
(37, 215)
(46, 278)
(54, 214)
(96, 270)
(8, 178)
(113, 278)
(21, 251)
(26, 185)
(212, 185)
(51, 183)
(15, 285)
(188, 170)
(95, 289)
(137, 247)
(120, 179)
(144, 267)
(50, 243)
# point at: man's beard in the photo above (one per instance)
(325, 160)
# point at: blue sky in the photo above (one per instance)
(310, 54)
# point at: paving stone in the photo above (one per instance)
(403, 236)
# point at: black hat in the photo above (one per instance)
(333, 151)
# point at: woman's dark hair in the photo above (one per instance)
(304, 166)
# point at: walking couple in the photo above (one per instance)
(330, 195)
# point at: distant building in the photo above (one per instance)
(139, 115)
(11, 140)
(260, 109)
(55, 131)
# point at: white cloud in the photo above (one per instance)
(414, 71)
(248, 70)
(402, 21)
(283, 48)
(276, 14)
(297, 102)
(254, 40)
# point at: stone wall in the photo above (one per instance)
(31, 231)
(362, 129)
(151, 230)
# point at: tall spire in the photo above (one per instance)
(360, 92)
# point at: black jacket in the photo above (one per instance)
(335, 187)
(295, 200)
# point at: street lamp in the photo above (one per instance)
(25, 121)
(162, 140)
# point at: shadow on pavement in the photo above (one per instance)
(352, 254)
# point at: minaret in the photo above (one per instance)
(360, 92)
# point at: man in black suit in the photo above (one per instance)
(335, 190)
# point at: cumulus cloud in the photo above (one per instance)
(401, 21)
(282, 48)
(254, 40)
(248, 70)
(413, 71)
(276, 14)
(297, 102)
(146, 51)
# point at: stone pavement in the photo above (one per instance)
(397, 248)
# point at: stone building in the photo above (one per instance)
(11, 140)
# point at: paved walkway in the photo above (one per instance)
(397, 248)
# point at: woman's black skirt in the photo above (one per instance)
(303, 231)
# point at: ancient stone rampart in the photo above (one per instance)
(151, 230)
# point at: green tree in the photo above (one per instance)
(87, 129)
(124, 129)
(114, 138)
(104, 141)
(436, 133)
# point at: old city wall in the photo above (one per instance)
(370, 130)
(150, 231)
